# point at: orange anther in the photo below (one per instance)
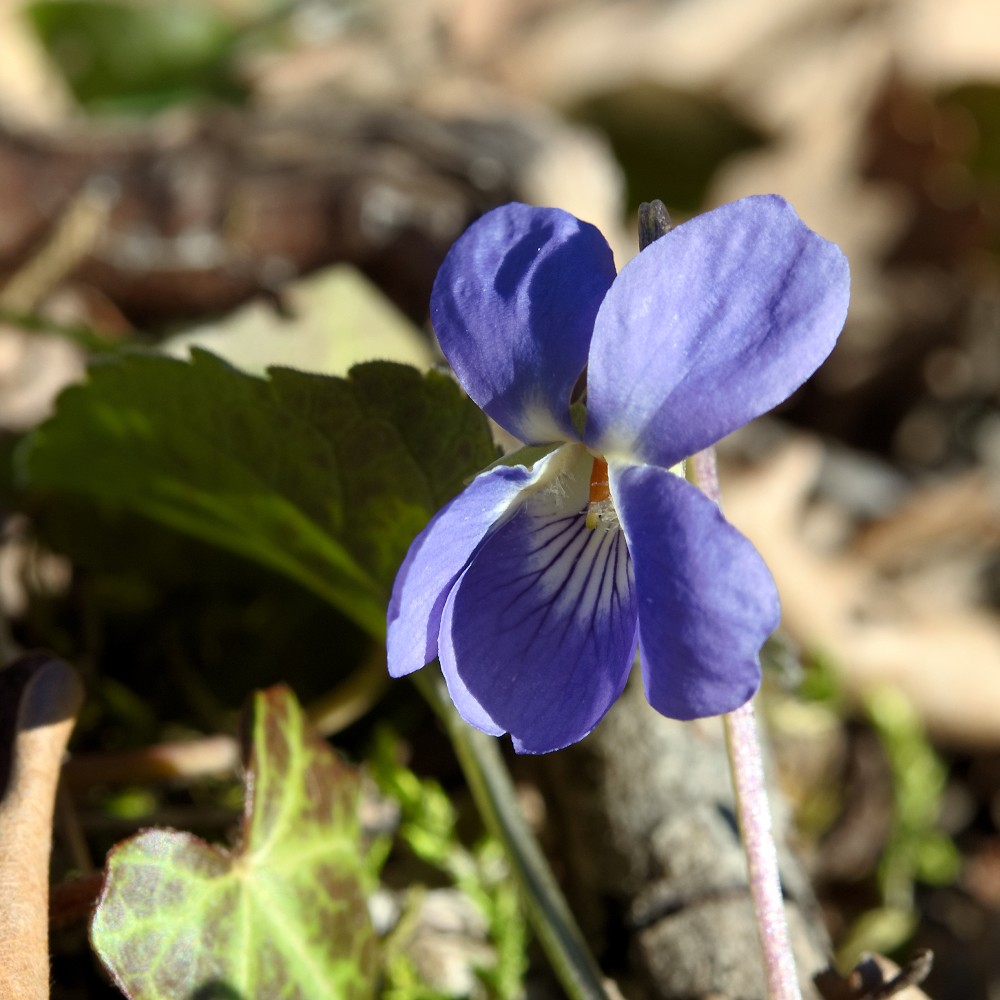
(600, 492)
(599, 488)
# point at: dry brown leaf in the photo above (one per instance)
(45, 695)
(945, 659)
(32, 93)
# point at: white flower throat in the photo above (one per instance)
(575, 483)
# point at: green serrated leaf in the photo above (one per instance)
(322, 478)
(281, 915)
(445, 433)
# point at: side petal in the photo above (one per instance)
(707, 602)
(462, 698)
(513, 307)
(540, 631)
(709, 327)
(436, 558)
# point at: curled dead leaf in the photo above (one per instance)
(39, 699)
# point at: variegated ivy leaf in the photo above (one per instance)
(281, 914)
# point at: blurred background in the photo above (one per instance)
(279, 182)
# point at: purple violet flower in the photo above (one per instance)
(536, 583)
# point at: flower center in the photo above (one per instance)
(600, 508)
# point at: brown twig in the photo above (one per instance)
(876, 978)
(70, 242)
(208, 756)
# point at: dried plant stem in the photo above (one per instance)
(209, 756)
(750, 789)
(82, 224)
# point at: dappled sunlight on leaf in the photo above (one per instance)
(324, 479)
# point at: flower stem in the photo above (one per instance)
(762, 858)
(493, 792)
(754, 814)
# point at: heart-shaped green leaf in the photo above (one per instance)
(281, 915)
(324, 479)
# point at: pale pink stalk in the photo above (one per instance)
(754, 814)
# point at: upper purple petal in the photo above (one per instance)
(436, 558)
(513, 307)
(707, 602)
(709, 327)
(540, 631)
